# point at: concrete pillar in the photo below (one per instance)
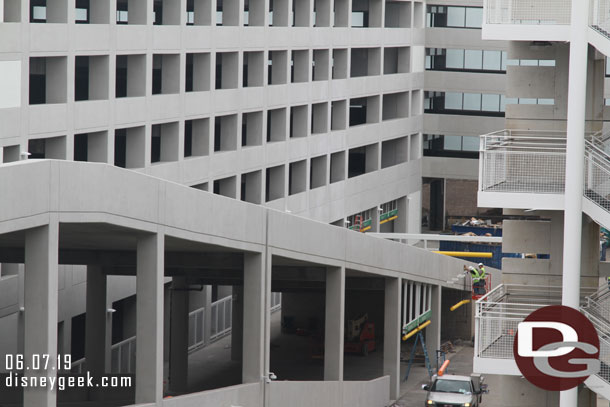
(433, 331)
(149, 319)
(95, 324)
(65, 348)
(178, 341)
(207, 317)
(334, 323)
(41, 294)
(237, 324)
(391, 335)
(255, 310)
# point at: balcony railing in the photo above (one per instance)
(534, 162)
(523, 162)
(499, 313)
(528, 12)
(599, 18)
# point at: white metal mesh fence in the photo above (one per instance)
(597, 177)
(599, 17)
(527, 162)
(496, 337)
(528, 11)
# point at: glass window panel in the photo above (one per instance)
(546, 62)
(80, 14)
(528, 101)
(491, 103)
(474, 17)
(607, 101)
(472, 101)
(357, 19)
(473, 59)
(453, 100)
(455, 59)
(452, 142)
(39, 13)
(428, 62)
(504, 60)
(529, 62)
(456, 16)
(546, 101)
(492, 60)
(470, 143)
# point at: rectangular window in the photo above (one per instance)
(473, 59)
(474, 17)
(455, 59)
(472, 101)
(453, 100)
(456, 16)
(492, 60)
(491, 103)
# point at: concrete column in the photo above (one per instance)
(41, 294)
(178, 341)
(255, 309)
(149, 319)
(207, 317)
(334, 323)
(433, 331)
(66, 346)
(391, 335)
(575, 149)
(237, 324)
(400, 224)
(95, 324)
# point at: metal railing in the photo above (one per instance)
(534, 162)
(196, 329)
(276, 302)
(528, 12)
(222, 311)
(123, 356)
(597, 175)
(599, 17)
(596, 310)
(523, 162)
(499, 313)
(77, 367)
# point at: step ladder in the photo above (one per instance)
(419, 338)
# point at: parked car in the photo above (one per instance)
(453, 390)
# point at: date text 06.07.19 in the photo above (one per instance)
(20, 362)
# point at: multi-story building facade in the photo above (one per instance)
(464, 97)
(304, 107)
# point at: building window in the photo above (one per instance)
(454, 17)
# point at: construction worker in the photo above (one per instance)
(604, 240)
(475, 274)
(482, 276)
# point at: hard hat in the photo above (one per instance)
(480, 264)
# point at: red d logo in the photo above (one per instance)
(556, 348)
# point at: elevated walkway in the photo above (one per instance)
(153, 229)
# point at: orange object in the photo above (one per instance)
(441, 371)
